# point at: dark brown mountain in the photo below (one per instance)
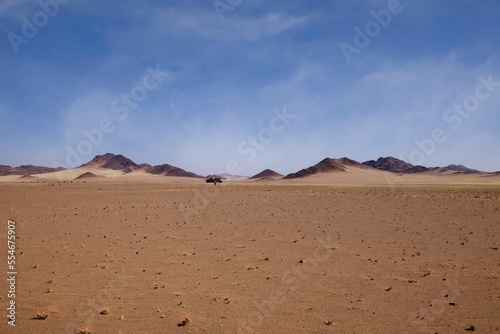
(324, 166)
(27, 170)
(111, 161)
(266, 174)
(119, 162)
(462, 168)
(389, 164)
(8, 170)
(353, 163)
(394, 165)
(169, 170)
(30, 169)
(99, 160)
(416, 169)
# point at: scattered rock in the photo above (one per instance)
(183, 323)
(41, 316)
(83, 331)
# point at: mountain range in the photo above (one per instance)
(119, 162)
(327, 165)
(387, 164)
(26, 170)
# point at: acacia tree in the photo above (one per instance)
(214, 180)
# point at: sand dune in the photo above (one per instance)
(87, 175)
(27, 177)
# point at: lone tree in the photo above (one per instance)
(214, 180)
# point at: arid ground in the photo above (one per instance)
(252, 257)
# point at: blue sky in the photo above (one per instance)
(205, 83)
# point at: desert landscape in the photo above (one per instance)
(249, 167)
(343, 248)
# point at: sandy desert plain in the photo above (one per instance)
(332, 253)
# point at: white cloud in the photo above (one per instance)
(232, 28)
(386, 110)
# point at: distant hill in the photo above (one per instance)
(169, 170)
(416, 169)
(391, 164)
(27, 170)
(326, 166)
(388, 164)
(349, 162)
(126, 165)
(111, 161)
(462, 168)
(267, 174)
